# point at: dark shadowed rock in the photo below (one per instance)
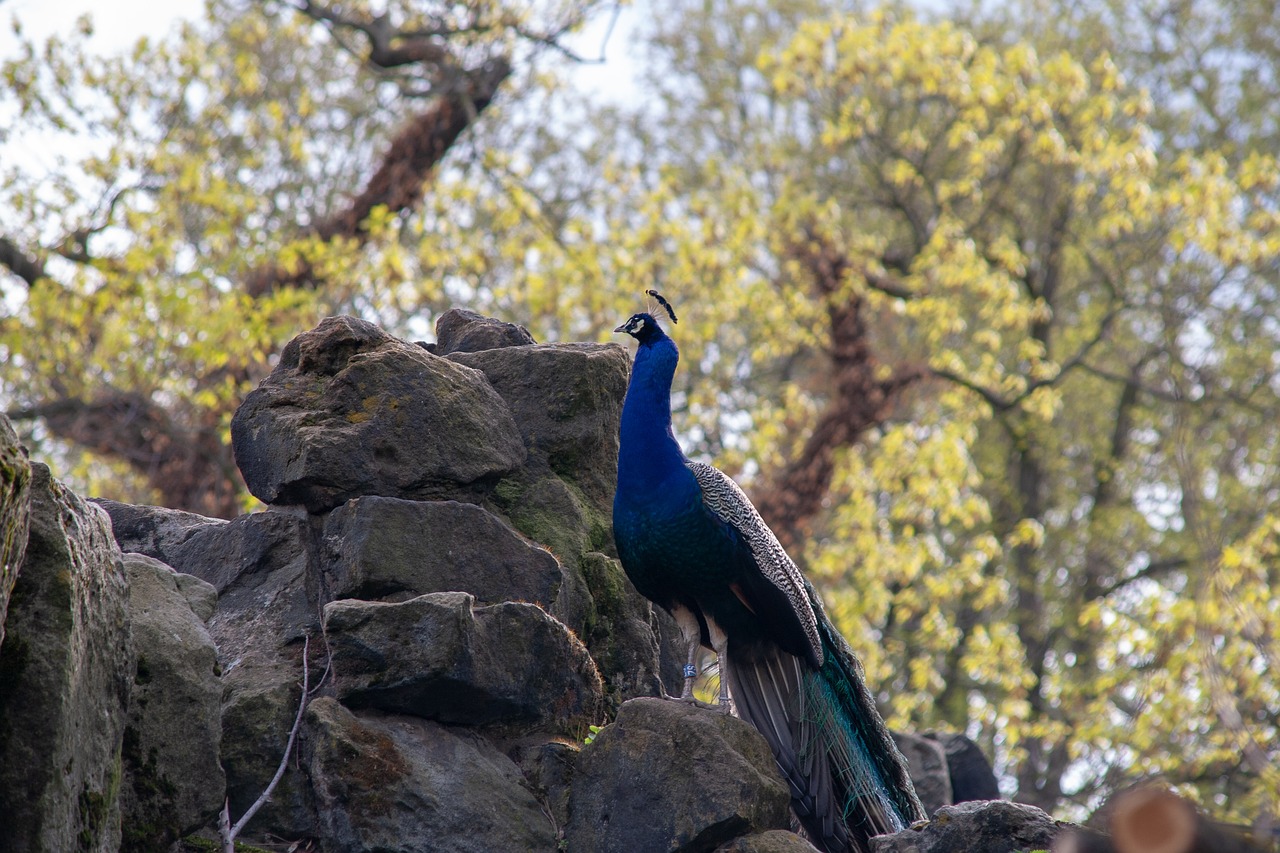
(267, 605)
(156, 531)
(991, 826)
(548, 767)
(460, 330)
(773, 841)
(669, 776)
(15, 506)
(395, 784)
(971, 775)
(351, 410)
(567, 401)
(65, 673)
(927, 765)
(173, 783)
(441, 657)
(380, 547)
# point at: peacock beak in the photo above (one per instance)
(621, 328)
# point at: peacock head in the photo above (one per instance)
(643, 326)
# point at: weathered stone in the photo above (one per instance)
(352, 411)
(268, 604)
(15, 506)
(441, 657)
(927, 765)
(460, 330)
(990, 826)
(403, 785)
(567, 400)
(65, 671)
(667, 776)
(155, 531)
(773, 841)
(548, 767)
(382, 547)
(968, 768)
(173, 783)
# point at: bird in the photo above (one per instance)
(690, 541)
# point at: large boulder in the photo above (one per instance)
(351, 410)
(380, 547)
(567, 401)
(669, 776)
(173, 782)
(402, 785)
(990, 826)
(15, 506)
(65, 677)
(460, 330)
(441, 657)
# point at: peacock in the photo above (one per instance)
(691, 542)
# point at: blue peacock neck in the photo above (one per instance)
(648, 452)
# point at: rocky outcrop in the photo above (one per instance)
(66, 668)
(435, 562)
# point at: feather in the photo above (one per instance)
(689, 539)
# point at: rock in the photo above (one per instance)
(971, 775)
(773, 841)
(155, 531)
(379, 547)
(15, 507)
(65, 671)
(992, 826)
(927, 765)
(441, 657)
(395, 784)
(548, 767)
(268, 604)
(352, 411)
(460, 330)
(669, 776)
(173, 783)
(567, 400)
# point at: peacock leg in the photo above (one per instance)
(720, 642)
(692, 634)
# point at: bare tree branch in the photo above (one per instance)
(27, 267)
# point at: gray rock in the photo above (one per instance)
(773, 841)
(402, 785)
(548, 767)
(567, 400)
(441, 657)
(927, 764)
(991, 826)
(379, 547)
(15, 507)
(64, 679)
(173, 783)
(669, 776)
(971, 775)
(460, 330)
(267, 605)
(352, 411)
(156, 531)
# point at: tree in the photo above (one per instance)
(248, 177)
